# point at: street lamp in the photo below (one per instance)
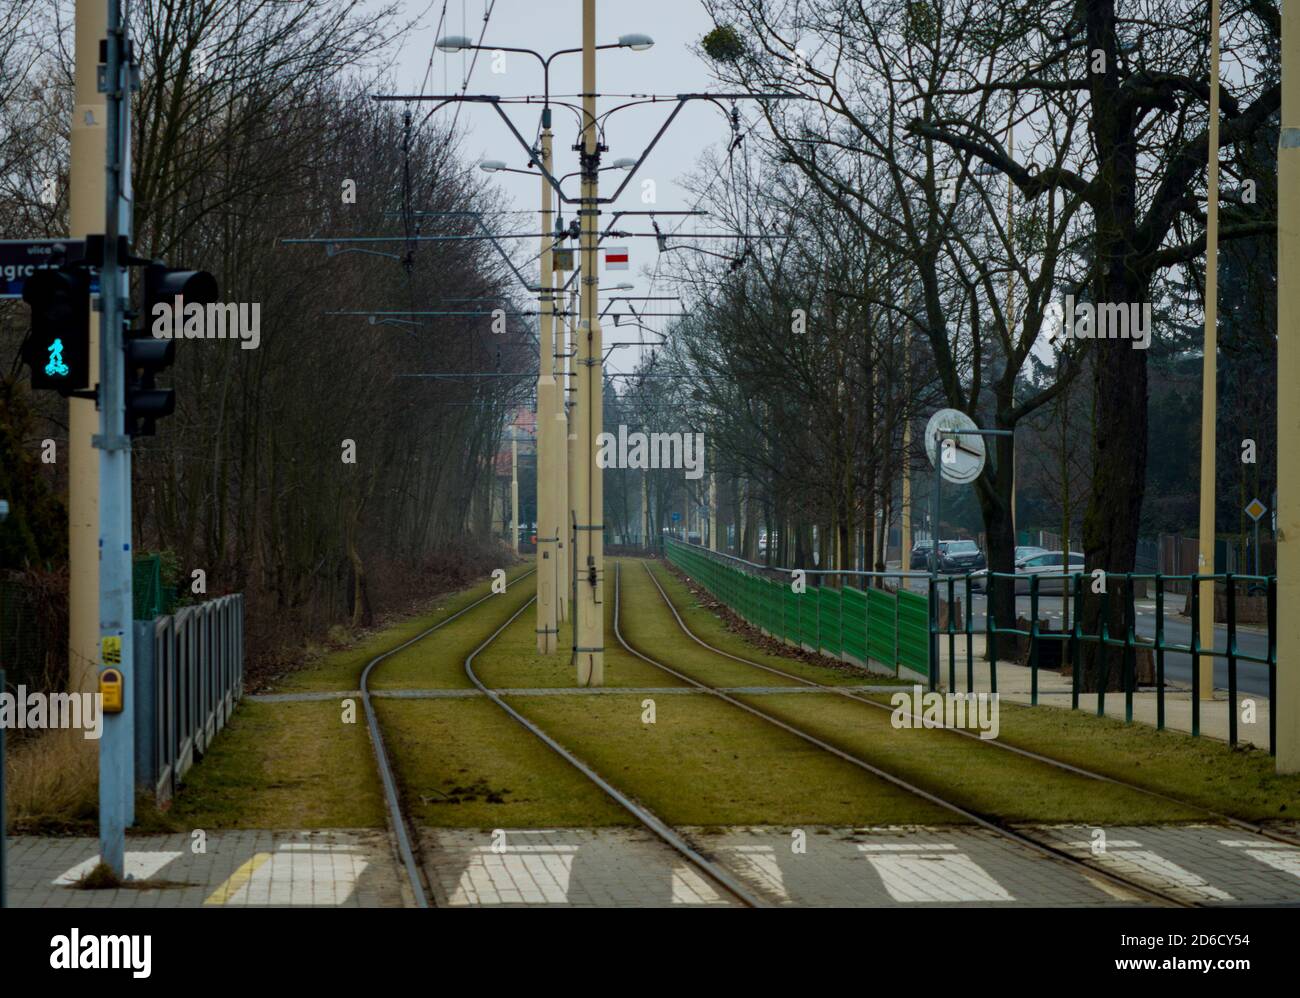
(495, 166)
(452, 44)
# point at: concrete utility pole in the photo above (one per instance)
(1287, 708)
(589, 646)
(571, 488)
(86, 216)
(645, 508)
(713, 511)
(549, 442)
(514, 493)
(1209, 372)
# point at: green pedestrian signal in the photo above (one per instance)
(57, 350)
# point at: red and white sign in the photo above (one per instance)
(616, 258)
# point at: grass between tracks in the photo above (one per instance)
(341, 670)
(1238, 782)
(701, 762)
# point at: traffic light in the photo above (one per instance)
(147, 354)
(58, 347)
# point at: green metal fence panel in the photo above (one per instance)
(853, 624)
(789, 615)
(828, 621)
(775, 608)
(881, 625)
(914, 632)
(809, 609)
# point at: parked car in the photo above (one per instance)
(919, 560)
(960, 557)
(1052, 570)
(1023, 553)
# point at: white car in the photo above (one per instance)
(1032, 561)
(1052, 571)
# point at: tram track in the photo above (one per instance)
(716, 873)
(1000, 829)
(1227, 819)
(398, 820)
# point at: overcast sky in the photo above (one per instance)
(670, 67)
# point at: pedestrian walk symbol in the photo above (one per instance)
(56, 367)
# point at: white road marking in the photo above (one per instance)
(930, 873)
(139, 866)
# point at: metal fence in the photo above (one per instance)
(861, 626)
(905, 629)
(189, 675)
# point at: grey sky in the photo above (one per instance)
(669, 67)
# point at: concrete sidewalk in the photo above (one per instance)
(241, 869)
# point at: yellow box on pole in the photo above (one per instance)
(110, 691)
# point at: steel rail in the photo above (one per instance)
(1048, 851)
(646, 817)
(396, 818)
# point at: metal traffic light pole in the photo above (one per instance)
(117, 745)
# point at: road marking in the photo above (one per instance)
(138, 866)
(1143, 865)
(1275, 854)
(760, 863)
(238, 880)
(930, 873)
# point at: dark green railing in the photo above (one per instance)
(900, 629)
(1124, 587)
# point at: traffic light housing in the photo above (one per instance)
(147, 354)
(57, 348)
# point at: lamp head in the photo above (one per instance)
(453, 43)
(637, 42)
(491, 165)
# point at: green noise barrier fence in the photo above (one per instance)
(876, 628)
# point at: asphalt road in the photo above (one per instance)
(1251, 677)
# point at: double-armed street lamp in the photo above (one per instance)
(553, 505)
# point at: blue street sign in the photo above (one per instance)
(676, 517)
(20, 258)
